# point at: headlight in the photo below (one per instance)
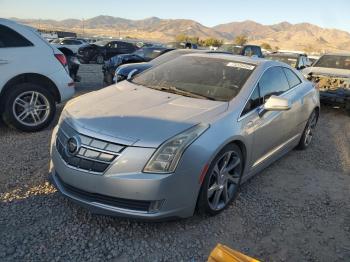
(167, 156)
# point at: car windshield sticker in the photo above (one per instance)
(240, 65)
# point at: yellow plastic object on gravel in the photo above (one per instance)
(222, 253)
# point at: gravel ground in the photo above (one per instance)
(298, 209)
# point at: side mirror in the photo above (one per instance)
(275, 103)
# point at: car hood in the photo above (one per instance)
(327, 71)
(139, 116)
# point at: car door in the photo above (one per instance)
(272, 129)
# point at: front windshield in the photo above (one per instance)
(201, 77)
(334, 61)
(292, 61)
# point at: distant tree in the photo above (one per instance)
(266, 46)
(211, 42)
(185, 38)
(193, 39)
(181, 38)
(276, 48)
(241, 40)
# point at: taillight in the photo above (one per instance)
(62, 59)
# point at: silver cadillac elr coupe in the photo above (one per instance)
(182, 136)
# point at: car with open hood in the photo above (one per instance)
(182, 136)
(331, 75)
(297, 60)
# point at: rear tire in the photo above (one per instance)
(28, 107)
(307, 135)
(221, 183)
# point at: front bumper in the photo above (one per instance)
(125, 194)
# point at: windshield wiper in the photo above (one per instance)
(174, 90)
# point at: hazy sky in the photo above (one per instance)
(325, 13)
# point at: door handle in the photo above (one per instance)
(3, 61)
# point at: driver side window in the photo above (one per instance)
(273, 82)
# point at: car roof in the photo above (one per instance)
(238, 58)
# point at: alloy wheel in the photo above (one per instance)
(224, 180)
(31, 108)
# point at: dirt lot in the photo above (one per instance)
(298, 209)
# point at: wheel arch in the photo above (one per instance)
(237, 141)
(33, 78)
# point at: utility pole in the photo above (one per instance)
(83, 28)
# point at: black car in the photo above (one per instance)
(103, 50)
(124, 71)
(145, 54)
(296, 60)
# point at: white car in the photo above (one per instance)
(70, 43)
(33, 78)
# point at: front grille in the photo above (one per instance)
(94, 155)
(138, 205)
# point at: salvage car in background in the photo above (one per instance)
(145, 54)
(126, 71)
(103, 50)
(200, 125)
(72, 63)
(248, 50)
(297, 60)
(33, 78)
(72, 44)
(331, 74)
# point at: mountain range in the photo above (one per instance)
(302, 36)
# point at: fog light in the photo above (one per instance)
(155, 206)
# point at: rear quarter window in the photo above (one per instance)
(292, 78)
(10, 38)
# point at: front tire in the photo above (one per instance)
(222, 181)
(28, 107)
